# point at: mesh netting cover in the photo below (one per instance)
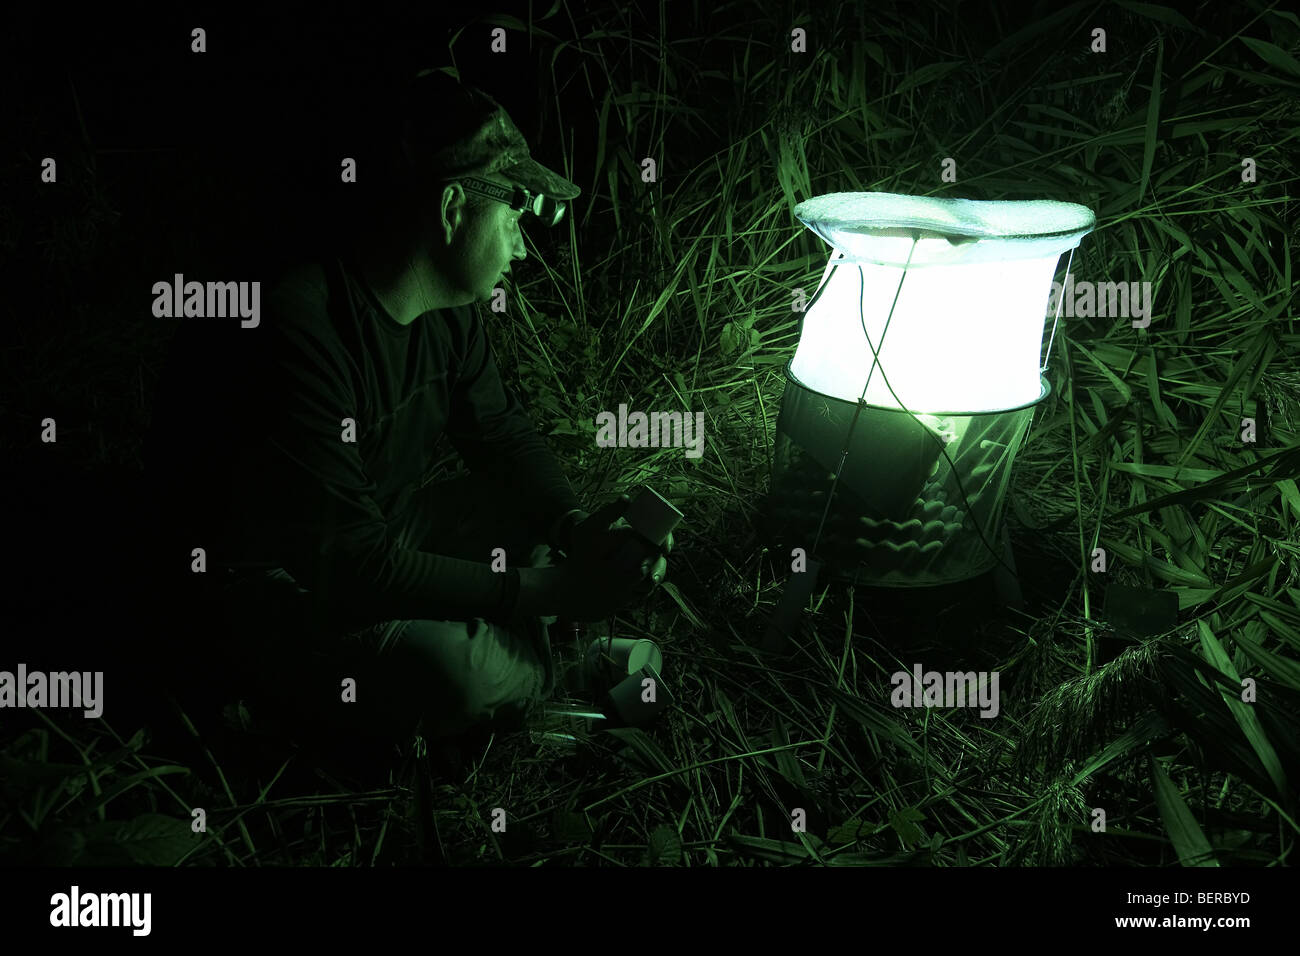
(899, 517)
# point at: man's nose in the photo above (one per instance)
(519, 253)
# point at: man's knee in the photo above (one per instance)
(463, 674)
(441, 676)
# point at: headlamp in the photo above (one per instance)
(546, 208)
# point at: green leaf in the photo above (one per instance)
(1284, 670)
(1262, 341)
(1185, 833)
(730, 341)
(514, 23)
(1273, 55)
(128, 783)
(1168, 472)
(642, 747)
(1125, 392)
(773, 851)
(928, 73)
(665, 847)
(571, 827)
(786, 763)
(1153, 119)
(867, 859)
(904, 823)
(1161, 569)
(567, 428)
(1153, 12)
(1241, 584)
(35, 774)
(1035, 26)
(1282, 629)
(1143, 732)
(671, 590)
(149, 840)
(874, 723)
(1290, 494)
(63, 847)
(1193, 597)
(1245, 714)
(739, 337)
(1229, 483)
(853, 831)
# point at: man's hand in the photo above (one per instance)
(606, 532)
(610, 566)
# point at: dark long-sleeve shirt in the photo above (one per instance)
(248, 442)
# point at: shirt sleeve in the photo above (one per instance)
(495, 435)
(308, 496)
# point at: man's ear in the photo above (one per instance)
(451, 211)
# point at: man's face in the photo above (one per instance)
(484, 244)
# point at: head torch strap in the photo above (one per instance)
(545, 208)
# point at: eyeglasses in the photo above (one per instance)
(547, 209)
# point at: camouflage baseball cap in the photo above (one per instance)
(465, 132)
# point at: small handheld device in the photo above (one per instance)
(653, 517)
